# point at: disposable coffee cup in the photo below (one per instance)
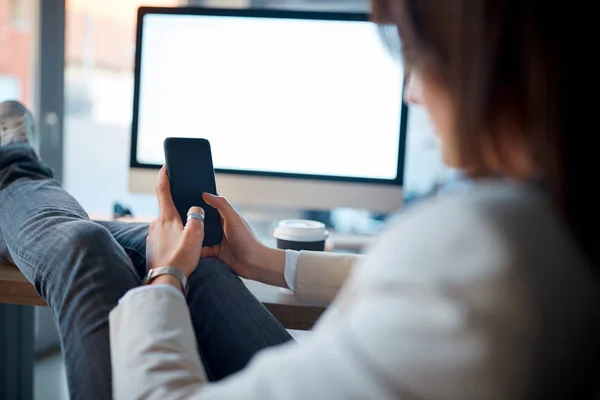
(301, 234)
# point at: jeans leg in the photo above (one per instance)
(74, 264)
(132, 237)
(231, 325)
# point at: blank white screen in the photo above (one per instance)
(273, 95)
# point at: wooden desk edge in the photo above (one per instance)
(15, 289)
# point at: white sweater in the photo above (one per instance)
(480, 294)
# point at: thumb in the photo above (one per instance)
(220, 203)
(194, 227)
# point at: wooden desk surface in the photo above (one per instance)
(15, 289)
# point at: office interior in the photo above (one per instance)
(72, 62)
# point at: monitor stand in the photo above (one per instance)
(320, 216)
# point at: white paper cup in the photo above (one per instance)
(301, 234)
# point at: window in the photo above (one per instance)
(18, 40)
(317, 5)
(100, 48)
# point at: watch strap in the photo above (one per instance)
(156, 272)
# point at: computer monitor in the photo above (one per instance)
(303, 110)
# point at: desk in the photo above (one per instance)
(15, 289)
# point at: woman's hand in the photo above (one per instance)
(169, 243)
(241, 249)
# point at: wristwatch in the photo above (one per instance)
(156, 272)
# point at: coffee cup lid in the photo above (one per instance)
(301, 230)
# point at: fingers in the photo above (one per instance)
(163, 194)
(194, 227)
(221, 204)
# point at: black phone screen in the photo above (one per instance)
(191, 173)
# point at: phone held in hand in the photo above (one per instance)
(191, 173)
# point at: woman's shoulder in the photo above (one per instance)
(493, 205)
(471, 199)
(489, 227)
(497, 247)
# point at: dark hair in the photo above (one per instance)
(507, 63)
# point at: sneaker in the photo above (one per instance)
(16, 124)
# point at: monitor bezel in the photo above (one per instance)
(257, 13)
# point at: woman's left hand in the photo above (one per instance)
(169, 243)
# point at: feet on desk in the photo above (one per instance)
(16, 124)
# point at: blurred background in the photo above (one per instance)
(98, 93)
(89, 148)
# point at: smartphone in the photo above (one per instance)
(191, 173)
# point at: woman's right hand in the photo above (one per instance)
(241, 249)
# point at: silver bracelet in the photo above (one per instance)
(156, 272)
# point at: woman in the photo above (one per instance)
(486, 293)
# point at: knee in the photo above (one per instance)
(91, 250)
(84, 235)
(86, 262)
(48, 240)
